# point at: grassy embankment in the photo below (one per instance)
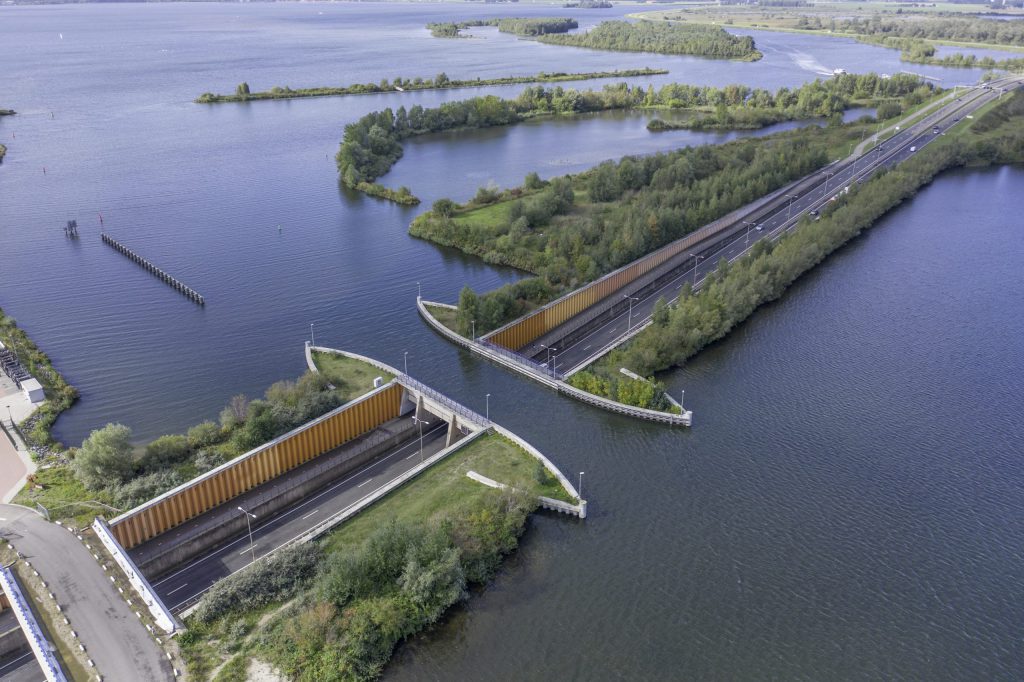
(381, 577)
(440, 82)
(736, 290)
(148, 470)
(59, 394)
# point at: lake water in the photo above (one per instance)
(848, 503)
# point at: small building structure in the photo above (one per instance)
(33, 390)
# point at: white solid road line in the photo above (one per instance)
(309, 514)
(247, 550)
(367, 481)
(183, 586)
(291, 511)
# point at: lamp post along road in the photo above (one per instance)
(629, 320)
(405, 359)
(579, 490)
(696, 259)
(421, 422)
(789, 211)
(252, 547)
(487, 412)
(312, 340)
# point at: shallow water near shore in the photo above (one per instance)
(848, 502)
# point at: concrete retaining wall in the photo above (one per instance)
(33, 633)
(218, 526)
(161, 614)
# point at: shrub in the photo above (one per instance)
(275, 578)
(204, 434)
(166, 450)
(105, 457)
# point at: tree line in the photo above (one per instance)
(107, 462)
(440, 82)
(731, 294)
(665, 38)
(372, 144)
(520, 26)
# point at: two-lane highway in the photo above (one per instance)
(182, 588)
(569, 352)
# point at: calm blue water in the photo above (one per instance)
(848, 505)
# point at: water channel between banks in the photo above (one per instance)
(848, 506)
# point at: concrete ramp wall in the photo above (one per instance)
(257, 466)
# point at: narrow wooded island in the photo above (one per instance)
(527, 27)
(440, 82)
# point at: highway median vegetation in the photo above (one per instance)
(440, 82)
(392, 571)
(702, 40)
(735, 290)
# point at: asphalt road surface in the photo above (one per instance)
(114, 638)
(608, 330)
(181, 588)
(21, 668)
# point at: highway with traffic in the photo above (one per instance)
(569, 352)
(184, 586)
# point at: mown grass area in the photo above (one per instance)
(445, 488)
(351, 378)
(445, 316)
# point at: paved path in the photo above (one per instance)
(114, 638)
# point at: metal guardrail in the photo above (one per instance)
(437, 396)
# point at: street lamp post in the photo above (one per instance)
(580, 489)
(405, 359)
(487, 413)
(473, 322)
(312, 339)
(789, 211)
(749, 225)
(554, 362)
(629, 320)
(421, 422)
(252, 547)
(827, 176)
(696, 259)
(419, 291)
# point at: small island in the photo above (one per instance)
(520, 26)
(701, 40)
(7, 112)
(3, 152)
(440, 82)
(588, 4)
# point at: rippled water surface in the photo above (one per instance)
(848, 504)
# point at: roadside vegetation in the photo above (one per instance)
(663, 38)
(735, 290)
(335, 610)
(243, 93)
(373, 144)
(572, 229)
(520, 26)
(350, 377)
(109, 472)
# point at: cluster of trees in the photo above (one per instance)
(481, 314)
(402, 579)
(735, 290)
(440, 82)
(108, 462)
(645, 393)
(588, 4)
(520, 26)
(371, 145)
(632, 207)
(665, 38)
(920, 51)
(971, 30)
